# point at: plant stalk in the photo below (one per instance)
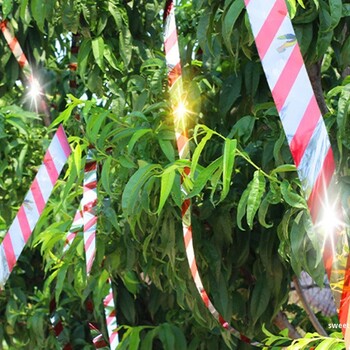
(317, 325)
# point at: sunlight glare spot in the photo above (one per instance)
(180, 111)
(34, 89)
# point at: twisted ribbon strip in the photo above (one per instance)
(173, 62)
(34, 204)
(307, 137)
(58, 328)
(16, 48)
(111, 319)
(86, 217)
(89, 202)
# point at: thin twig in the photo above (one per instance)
(317, 325)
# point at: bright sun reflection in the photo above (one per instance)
(34, 89)
(180, 111)
(330, 220)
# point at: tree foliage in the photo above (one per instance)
(251, 227)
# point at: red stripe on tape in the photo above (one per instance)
(174, 74)
(89, 241)
(38, 197)
(90, 223)
(62, 138)
(50, 167)
(12, 44)
(22, 60)
(3, 25)
(171, 41)
(318, 194)
(90, 165)
(287, 78)
(188, 236)
(270, 27)
(194, 269)
(185, 205)
(90, 186)
(107, 299)
(305, 130)
(23, 222)
(9, 252)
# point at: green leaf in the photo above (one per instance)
(260, 298)
(93, 125)
(116, 15)
(199, 149)
(168, 149)
(283, 169)
(38, 11)
(131, 193)
(98, 51)
(256, 192)
(166, 185)
(106, 175)
(336, 9)
(110, 57)
(70, 19)
(134, 338)
(61, 276)
(252, 77)
(77, 155)
(6, 7)
(83, 57)
(204, 176)
(228, 161)
(125, 42)
(231, 90)
(242, 206)
(263, 208)
(327, 344)
(229, 19)
(291, 197)
(167, 337)
(136, 136)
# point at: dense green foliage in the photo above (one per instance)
(251, 226)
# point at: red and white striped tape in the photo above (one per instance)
(57, 326)
(16, 48)
(172, 55)
(89, 203)
(86, 218)
(306, 134)
(34, 204)
(27, 70)
(111, 317)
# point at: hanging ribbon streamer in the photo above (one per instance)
(58, 326)
(34, 204)
(89, 202)
(307, 138)
(86, 218)
(111, 319)
(16, 49)
(172, 56)
(15, 240)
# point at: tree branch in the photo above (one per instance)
(317, 325)
(314, 72)
(281, 321)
